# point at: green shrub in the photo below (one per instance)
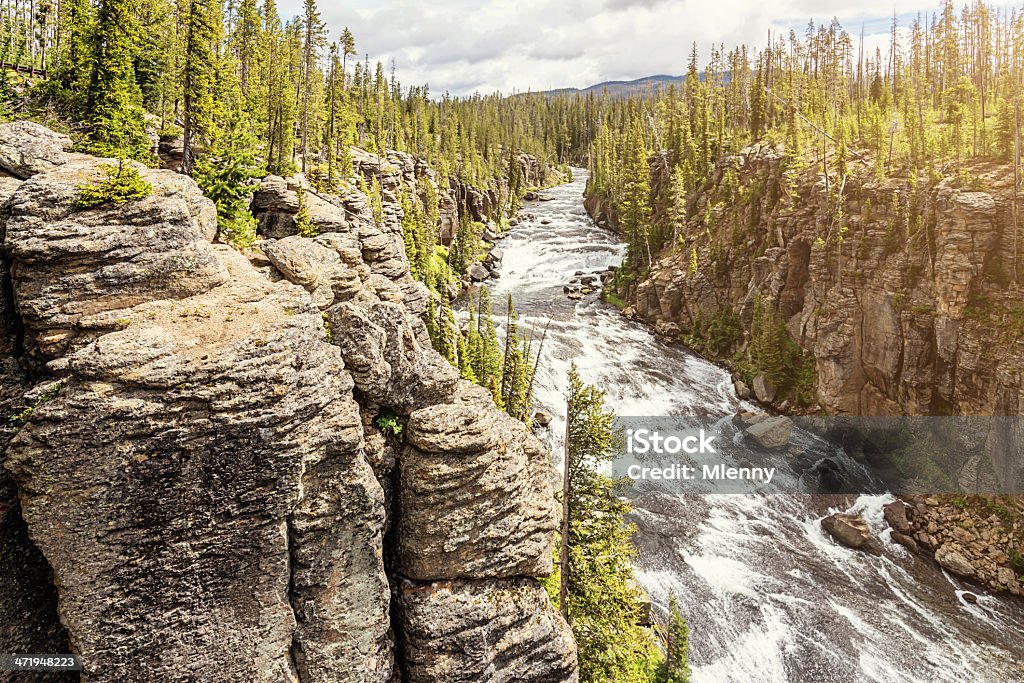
(226, 176)
(613, 298)
(387, 422)
(119, 184)
(303, 223)
(716, 335)
(1016, 561)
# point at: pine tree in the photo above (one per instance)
(226, 176)
(348, 49)
(117, 124)
(203, 29)
(636, 206)
(676, 668)
(596, 590)
(517, 369)
(76, 24)
(448, 332)
(313, 40)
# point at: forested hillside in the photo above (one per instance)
(246, 88)
(798, 188)
(947, 89)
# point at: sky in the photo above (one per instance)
(465, 46)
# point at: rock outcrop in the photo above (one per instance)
(477, 497)
(73, 270)
(396, 174)
(197, 463)
(27, 148)
(446, 624)
(909, 307)
(852, 531)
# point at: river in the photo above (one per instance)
(768, 596)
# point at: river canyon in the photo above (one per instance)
(769, 596)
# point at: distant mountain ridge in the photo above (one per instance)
(625, 88)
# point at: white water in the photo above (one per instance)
(769, 596)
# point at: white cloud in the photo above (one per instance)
(463, 46)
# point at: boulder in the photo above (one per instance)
(906, 541)
(542, 418)
(764, 390)
(771, 433)
(391, 362)
(27, 148)
(742, 390)
(852, 531)
(478, 272)
(666, 329)
(952, 559)
(895, 514)
(171, 151)
(1007, 578)
(474, 632)
(316, 267)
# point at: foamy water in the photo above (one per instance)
(769, 596)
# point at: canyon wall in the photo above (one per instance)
(197, 483)
(901, 291)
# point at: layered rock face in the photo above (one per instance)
(196, 461)
(903, 293)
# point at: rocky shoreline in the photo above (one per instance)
(978, 539)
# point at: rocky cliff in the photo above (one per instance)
(195, 484)
(901, 290)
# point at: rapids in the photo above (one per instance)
(769, 597)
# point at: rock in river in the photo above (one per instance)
(852, 531)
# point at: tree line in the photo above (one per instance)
(216, 71)
(947, 89)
